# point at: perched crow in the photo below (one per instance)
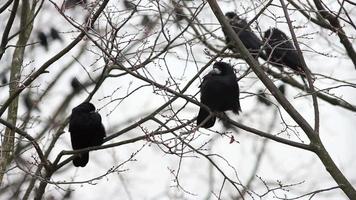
(281, 50)
(86, 130)
(43, 39)
(55, 35)
(248, 38)
(262, 97)
(76, 85)
(220, 92)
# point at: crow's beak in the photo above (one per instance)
(215, 71)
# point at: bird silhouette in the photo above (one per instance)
(86, 130)
(246, 35)
(281, 50)
(43, 40)
(219, 92)
(55, 35)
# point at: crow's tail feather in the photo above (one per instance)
(81, 159)
(202, 117)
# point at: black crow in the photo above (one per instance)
(262, 97)
(86, 130)
(281, 50)
(43, 39)
(247, 37)
(55, 35)
(220, 92)
(76, 85)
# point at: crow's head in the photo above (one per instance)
(275, 34)
(235, 20)
(222, 68)
(85, 107)
(230, 15)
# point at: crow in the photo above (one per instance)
(55, 35)
(43, 40)
(247, 37)
(281, 50)
(86, 130)
(220, 92)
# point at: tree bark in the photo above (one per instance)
(7, 145)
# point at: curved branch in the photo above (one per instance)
(9, 24)
(43, 159)
(337, 28)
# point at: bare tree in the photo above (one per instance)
(141, 63)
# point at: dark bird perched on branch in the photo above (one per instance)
(281, 50)
(220, 92)
(86, 130)
(43, 40)
(247, 37)
(55, 35)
